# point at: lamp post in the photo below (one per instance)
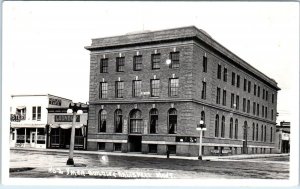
(201, 128)
(74, 108)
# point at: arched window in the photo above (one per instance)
(223, 127)
(256, 132)
(253, 131)
(172, 116)
(236, 127)
(136, 121)
(203, 119)
(217, 126)
(231, 128)
(245, 130)
(118, 121)
(102, 121)
(153, 120)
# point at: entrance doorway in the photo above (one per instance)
(32, 139)
(135, 143)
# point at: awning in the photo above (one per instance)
(26, 125)
(65, 126)
(21, 107)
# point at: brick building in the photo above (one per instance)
(149, 90)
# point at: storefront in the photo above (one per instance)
(59, 129)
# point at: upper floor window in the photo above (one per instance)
(137, 62)
(119, 89)
(265, 134)
(272, 115)
(254, 108)
(36, 113)
(203, 92)
(272, 98)
(258, 91)
(245, 84)
(233, 78)
(263, 97)
(103, 90)
(238, 81)
(224, 98)
(236, 127)
(103, 65)
(218, 95)
(135, 121)
(136, 88)
(223, 127)
(174, 56)
(155, 61)
(254, 89)
(225, 75)
(173, 87)
(231, 128)
(253, 131)
(248, 106)
(257, 109)
(266, 112)
(262, 133)
(271, 135)
(219, 71)
(102, 121)
(118, 121)
(267, 94)
(172, 119)
(120, 62)
(155, 89)
(217, 126)
(153, 120)
(256, 132)
(244, 105)
(263, 111)
(204, 64)
(232, 101)
(237, 101)
(249, 86)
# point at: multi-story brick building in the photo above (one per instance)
(149, 90)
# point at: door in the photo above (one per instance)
(32, 139)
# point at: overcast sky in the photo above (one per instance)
(43, 42)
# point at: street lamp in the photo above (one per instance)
(74, 108)
(200, 127)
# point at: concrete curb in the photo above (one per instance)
(209, 158)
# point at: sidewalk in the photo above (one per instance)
(207, 158)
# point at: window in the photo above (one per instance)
(203, 92)
(118, 121)
(217, 126)
(233, 78)
(120, 61)
(204, 64)
(256, 132)
(101, 146)
(218, 95)
(258, 91)
(119, 89)
(103, 65)
(262, 111)
(137, 62)
(172, 116)
(155, 61)
(265, 134)
(136, 88)
(237, 101)
(249, 86)
(153, 120)
(257, 112)
(272, 98)
(103, 90)
(232, 101)
(102, 121)
(254, 89)
(174, 56)
(262, 133)
(272, 115)
(253, 131)
(136, 121)
(155, 90)
(245, 84)
(173, 87)
(254, 108)
(238, 81)
(267, 94)
(244, 105)
(236, 126)
(219, 71)
(223, 127)
(224, 97)
(248, 106)
(225, 75)
(266, 112)
(231, 128)
(36, 113)
(117, 147)
(245, 130)
(152, 148)
(263, 97)
(271, 135)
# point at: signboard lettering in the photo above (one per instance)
(65, 118)
(54, 101)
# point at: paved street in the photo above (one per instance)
(52, 164)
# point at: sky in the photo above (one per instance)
(43, 42)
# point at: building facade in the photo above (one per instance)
(28, 118)
(282, 137)
(148, 91)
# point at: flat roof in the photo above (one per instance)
(182, 33)
(20, 95)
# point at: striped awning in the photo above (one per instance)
(27, 125)
(65, 126)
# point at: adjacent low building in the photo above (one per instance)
(283, 137)
(148, 91)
